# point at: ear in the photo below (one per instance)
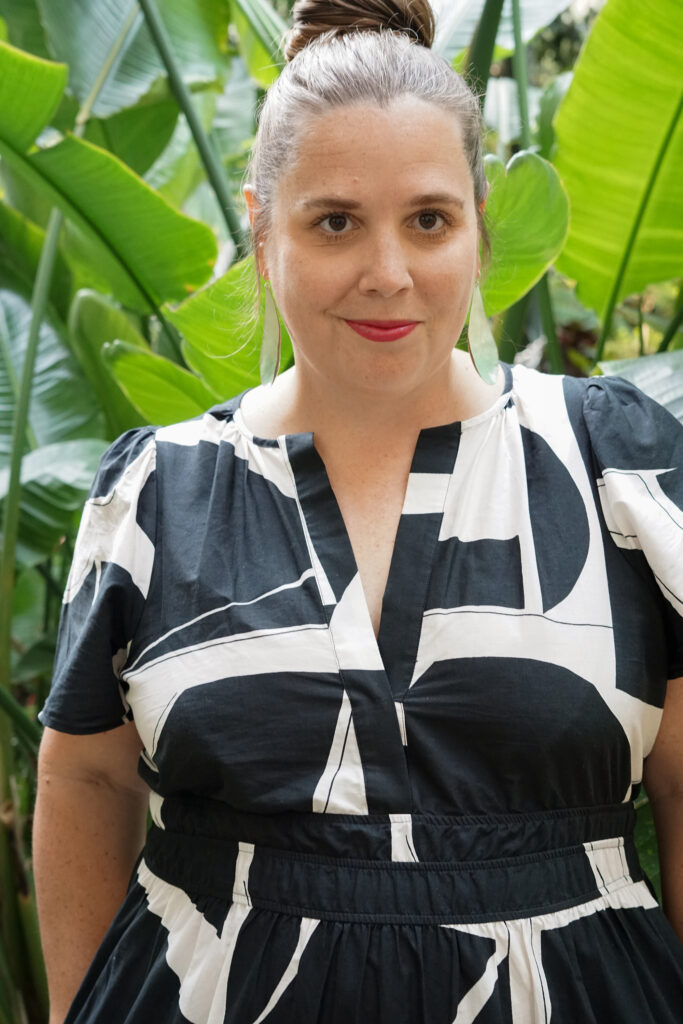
(253, 208)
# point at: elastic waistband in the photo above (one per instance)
(499, 877)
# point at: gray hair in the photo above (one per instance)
(370, 67)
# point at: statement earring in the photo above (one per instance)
(480, 340)
(271, 341)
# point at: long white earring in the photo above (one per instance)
(480, 340)
(271, 339)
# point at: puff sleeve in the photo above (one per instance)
(106, 589)
(638, 452)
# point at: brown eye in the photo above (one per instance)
(429, 220)
(335, 222)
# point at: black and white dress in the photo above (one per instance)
(430, 827)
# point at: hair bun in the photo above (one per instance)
(313, 18)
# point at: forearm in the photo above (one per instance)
(668, 817)
(87, 836)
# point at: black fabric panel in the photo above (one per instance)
(477, 572)
(558, 520)
(479, 730)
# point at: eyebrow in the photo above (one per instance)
(341, 203)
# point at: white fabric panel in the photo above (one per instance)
(155, 686)
(352, 633)
(341, 789)
(607, 859)
(477, 632)
(425, 493)
(402, 846)
(401, 715)
(474, 1001)
(155, 805)
(520, 941)
(491, 450)
(639, 514)
(240, 888)
(200, 959)
(308, 926)
(109, 531)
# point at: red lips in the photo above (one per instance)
(382, 330)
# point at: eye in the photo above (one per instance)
(335, 223)
(431, 221)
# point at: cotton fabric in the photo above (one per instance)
(434, 825)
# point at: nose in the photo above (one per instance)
(385, 268)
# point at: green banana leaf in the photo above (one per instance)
(660, 376)
(62, 406)
(222, 334)
(30, 91)
(137, 135)
(620, 152)
(162, 391)
(82, 33)
(260, 29)
(93, 321)
(21, 243)
(526, 215)
(178, 170)
(55, 480)
(149, 251)
(23, 26)
(457, 21)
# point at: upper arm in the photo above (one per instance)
(109, 757)
(663, 774)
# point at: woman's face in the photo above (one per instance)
(372, 252)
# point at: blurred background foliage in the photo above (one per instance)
(126, 297)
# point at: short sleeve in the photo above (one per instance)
(106, 589)
(638, 451)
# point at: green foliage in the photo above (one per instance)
(620, 151)
(527, 213)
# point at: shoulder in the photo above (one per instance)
(133, 451)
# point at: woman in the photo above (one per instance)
(391, 688)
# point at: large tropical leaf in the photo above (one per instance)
(178, 170)
(137, 135)
(62, 406)
(162, 391)
(223, 333)
(30, 91)
(21, 243)
(620, 151)
(527, 217)
(457, 20)
(82, 33)
(93, 321)
(23, 25)
(660, 376)
(55, 482)
(148, 250)
(260, 29)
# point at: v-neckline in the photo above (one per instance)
(393, 651)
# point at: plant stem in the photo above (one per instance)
(512, 329)
(552, 345)
(671, 330)
(209, 157)
(480, 53)
(519, 66)
(11, 513)
(635, 228)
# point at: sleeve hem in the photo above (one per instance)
(52, 721)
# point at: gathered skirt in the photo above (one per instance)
(311, 919)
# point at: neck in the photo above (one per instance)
(295, 404)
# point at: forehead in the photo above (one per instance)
(410, 145)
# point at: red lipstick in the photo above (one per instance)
(382, 330)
